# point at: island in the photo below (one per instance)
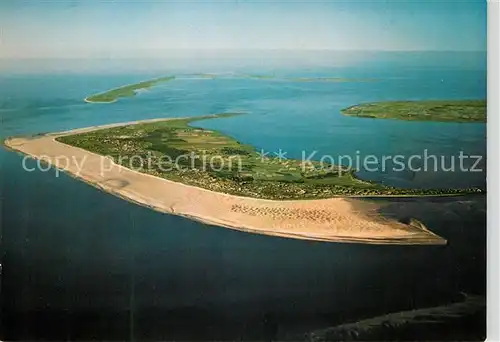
(309, 79)
(171, 166)
(177, 151)
(414, 323)
(203, 76)
(331, 79)
(261, 77)
(442, 110)
(129, 90)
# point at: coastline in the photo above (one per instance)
(127, 90)
(202, 76)
(337, 219)
(371, 328)
(457, 111)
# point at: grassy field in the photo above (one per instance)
(129, 90)
(175, 150)
(126, 91)
(444, 111)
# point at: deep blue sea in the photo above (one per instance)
(78, 263)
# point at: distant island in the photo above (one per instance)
(262, 77)
(236, 169)
(332, 219)
(442, 111)
(211, 177)
(129, 90)
(415, 323)
(204, 75)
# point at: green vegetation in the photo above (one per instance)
(126, 91)
(391, 327)
(130, 90)
(175, 150)
(445, 111)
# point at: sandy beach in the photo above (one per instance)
(333, 219)
(90, 101)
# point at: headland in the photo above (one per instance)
(441, 111)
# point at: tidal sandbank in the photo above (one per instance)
(332, 219)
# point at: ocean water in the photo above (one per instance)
(78, 263)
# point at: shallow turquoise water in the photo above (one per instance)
(73, 254)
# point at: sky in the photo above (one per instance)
(114, 28)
